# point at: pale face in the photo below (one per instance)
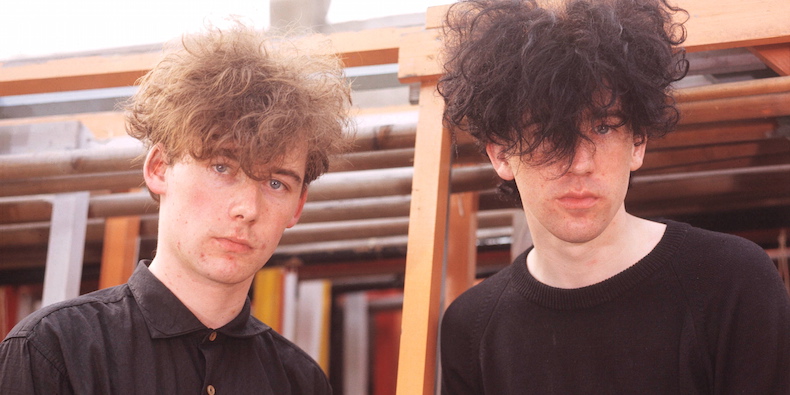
(579, 204)
(218, 225)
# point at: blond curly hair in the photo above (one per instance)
(242, 89)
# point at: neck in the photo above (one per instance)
(567, 265)
(214, 304)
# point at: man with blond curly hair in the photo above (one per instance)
(236, 128)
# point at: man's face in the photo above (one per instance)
(575, 204)
(221, 225)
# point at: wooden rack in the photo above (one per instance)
(731, 154)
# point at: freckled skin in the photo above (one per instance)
(575, 206)
(217, 225)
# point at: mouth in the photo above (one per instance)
(234, 244)
(578, 200)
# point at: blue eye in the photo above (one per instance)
(220, 168)
(275, 184)
(603, 129)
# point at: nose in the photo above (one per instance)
(583, 159)
(246, 201)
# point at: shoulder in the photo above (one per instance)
(73, 313)
(45, 334)
(466, 318)
(480, 297)
(722, 273)
(724, 256)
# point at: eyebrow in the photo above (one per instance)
(288, 173)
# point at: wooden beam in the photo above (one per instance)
(119, 251)
(763, 159)
(461, 245)
(427, 230)
(708, 134)
(103, 125)
(730, 184)
(70, 162)
(711, 25)
(367, 47)
(82, 182)
(419, 56)
(91, 72)
(671, 160)
(775, 56)
(733, 89)
(735, 108)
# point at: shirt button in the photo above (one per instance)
(212, 337)
(210, 389)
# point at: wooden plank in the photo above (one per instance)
(720, 188)
(733, 89)
(775, 56)
(83, 182)
(367, 47)
(102, 125)
(698, 135)
(710, 26)
(721, 24)
(120, 250)
(90, 72)
(419, 56)
(773, 158)
(63, 273)
(669, 159)
(461, 245)
(735, 108)
(427, 230)
(70, 162)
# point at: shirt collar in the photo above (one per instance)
(166, 316)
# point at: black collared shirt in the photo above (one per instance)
(138, 338)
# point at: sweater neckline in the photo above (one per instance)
(604, 291)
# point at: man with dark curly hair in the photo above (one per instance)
(564, 96)
(236, 129)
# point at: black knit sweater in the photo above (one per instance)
(703, 313)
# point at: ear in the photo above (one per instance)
(299, 208)
(154, 170)
(500, 161)
(638, 155)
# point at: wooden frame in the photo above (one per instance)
(759, 25)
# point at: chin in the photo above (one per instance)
(579, 234)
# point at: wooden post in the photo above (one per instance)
(427, 230)
(461, 245)
(120, 251)
(63, 273)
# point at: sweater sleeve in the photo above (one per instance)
(747, 319)
(462, 328)
(459, 354)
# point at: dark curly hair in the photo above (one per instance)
(525, 75)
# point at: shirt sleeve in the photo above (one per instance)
(25, 370)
